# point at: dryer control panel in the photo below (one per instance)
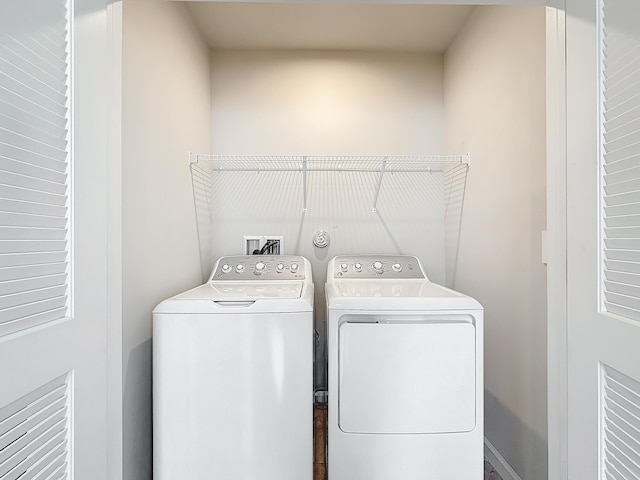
(259, 267)
(377, 266)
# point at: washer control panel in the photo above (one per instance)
(377, 266)
(259, 267)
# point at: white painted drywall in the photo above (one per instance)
(325, 103)
(329, 103)
(495, 108)
(165, 113)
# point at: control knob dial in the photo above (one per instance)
(260, 268)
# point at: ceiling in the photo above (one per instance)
(329, 26)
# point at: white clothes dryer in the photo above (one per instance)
(233, 374)
(405, 373)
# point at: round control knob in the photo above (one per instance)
(280, 268)
(294, 267)
(260, 268)
(397, 267)
(344, 267)
(357, 267)
(377, 267)
(240, 268)
(226, 268)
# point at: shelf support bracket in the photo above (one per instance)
(375, 197)
(304, 183)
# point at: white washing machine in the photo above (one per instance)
(405, 373)
(233, 374)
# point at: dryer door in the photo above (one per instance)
(407, 376)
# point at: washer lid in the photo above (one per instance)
(242, 291)
(240, 297)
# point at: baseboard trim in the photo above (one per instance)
(498, 462)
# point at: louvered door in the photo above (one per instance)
(53, 238)
(35, 155)
(603, 234)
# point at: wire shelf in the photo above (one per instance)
(372, 164)
(381, 165)
(363, 195)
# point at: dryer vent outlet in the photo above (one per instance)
(263, 245)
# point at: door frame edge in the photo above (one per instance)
(115, 453)
(557, 365)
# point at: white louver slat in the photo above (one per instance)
(620, 420)
(34, 434)
(620, 158)
(34, 164)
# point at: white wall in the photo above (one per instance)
(495, 108)
(325, 103)
(165, 114)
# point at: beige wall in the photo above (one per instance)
(165, 114)
(326, 103)
(495, 108)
